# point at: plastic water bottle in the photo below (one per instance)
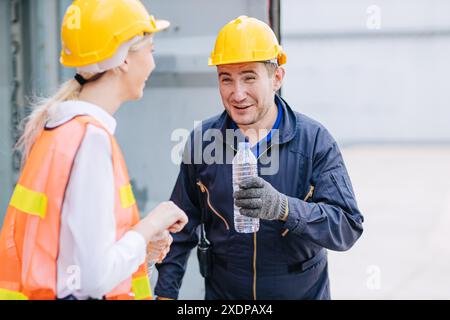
(245, 166)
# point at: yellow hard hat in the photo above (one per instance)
(246, 40)
(93, 30)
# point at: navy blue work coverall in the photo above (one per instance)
(283, 260)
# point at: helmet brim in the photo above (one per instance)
(161, 25)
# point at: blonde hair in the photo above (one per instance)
(41, 107)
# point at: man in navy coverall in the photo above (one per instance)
(303, 195)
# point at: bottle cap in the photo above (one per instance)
(244, 145)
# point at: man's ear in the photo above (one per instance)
(124, 67)
(278, 77)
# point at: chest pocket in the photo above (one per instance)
(300, 175)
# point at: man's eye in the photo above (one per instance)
(226, 80)
(249, 78)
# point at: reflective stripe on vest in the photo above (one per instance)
(11, 295)
(29, 201)
(126, 196)
(141, 288)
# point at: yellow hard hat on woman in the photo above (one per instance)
(96, 31)
(246, 39)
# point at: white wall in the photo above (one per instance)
(367, 85)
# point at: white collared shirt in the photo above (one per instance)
(91, 262)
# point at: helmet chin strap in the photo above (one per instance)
(82, 81)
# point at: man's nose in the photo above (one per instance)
(239, 93)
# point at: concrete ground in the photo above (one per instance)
(404, 253)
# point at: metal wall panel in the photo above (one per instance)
(6, 179)
(182, 90)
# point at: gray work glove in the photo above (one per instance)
(258, 199)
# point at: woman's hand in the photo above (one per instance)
(158, 249)
(165, 217)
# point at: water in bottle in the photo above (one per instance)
(245, 165)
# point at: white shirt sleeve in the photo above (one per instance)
(88, 242)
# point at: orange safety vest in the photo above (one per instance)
(29, 241)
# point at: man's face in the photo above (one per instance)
(247, 90)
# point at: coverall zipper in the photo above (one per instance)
(203, 189)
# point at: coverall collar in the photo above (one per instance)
(287, 127)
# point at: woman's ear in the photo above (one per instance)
(124, 67)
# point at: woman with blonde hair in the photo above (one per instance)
(72, 228)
